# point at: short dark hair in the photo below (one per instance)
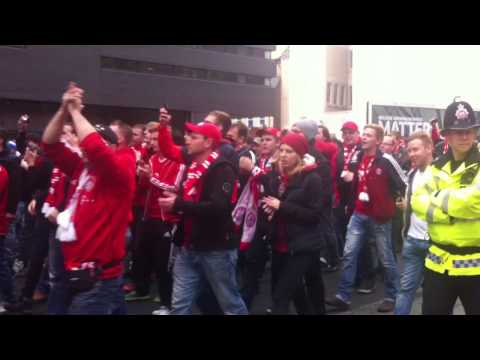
(125, 130)
(326, 133)
(139, 126)
(242, 129)
(223, 119)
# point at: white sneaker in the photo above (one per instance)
(2, 309)
(162, 311)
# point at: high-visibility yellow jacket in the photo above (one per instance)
(450, 203)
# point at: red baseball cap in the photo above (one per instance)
(270, 131)
(350, 125)
(206, 129)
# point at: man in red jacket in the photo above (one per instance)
(376, 183)
(92, 228)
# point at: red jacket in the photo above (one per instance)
(166, 175)
(385, 182)
(3, 201)
(104, 206)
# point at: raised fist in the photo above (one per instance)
(164, 117)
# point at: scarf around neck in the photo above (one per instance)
(191, 186)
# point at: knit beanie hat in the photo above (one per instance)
(297, 142)
(309, 128)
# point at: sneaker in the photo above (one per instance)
(338, 304)
(128, 288)
(134, 296)
(331, 268)
(39, 297)
(386, 306)
(366, 287)
(2, 309)
(162, 311)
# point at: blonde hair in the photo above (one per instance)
(379, 132)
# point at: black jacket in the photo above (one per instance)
(302, 211)
(36, 182)
(324, 171)
(212, 215)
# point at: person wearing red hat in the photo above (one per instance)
(208, 253)
(297, 213)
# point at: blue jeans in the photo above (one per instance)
(414, 253)
(6, 275)
(360, 229)
(106, 298)
(193, 268)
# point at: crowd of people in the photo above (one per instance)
(94, 216)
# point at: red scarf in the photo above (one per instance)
(191, 186)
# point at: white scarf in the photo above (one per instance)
(66, 230)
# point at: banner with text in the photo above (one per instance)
(406, 120)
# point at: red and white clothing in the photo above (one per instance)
(363, 207)
(167, 175)
(56, 193)
(3, 201)
(101, 204)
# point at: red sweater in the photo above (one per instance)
(3, 201)
(104, 206)
(166, 175)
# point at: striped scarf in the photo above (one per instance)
(191, 186)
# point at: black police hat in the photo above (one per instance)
(107, 134)
(459, 116)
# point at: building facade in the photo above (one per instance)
(130, 82)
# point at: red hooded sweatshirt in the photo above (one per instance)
(104, 204)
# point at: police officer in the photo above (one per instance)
(449, 201)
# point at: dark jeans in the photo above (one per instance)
(299, 278)
(106, 298)
(340, 221)
(6, 275)
(397, 225)
(151, 255)
(58, 296)
(251, 266)
(440, 292)
(39, 253)
(25, 236)
(132, 245)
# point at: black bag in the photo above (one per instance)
(83, 280)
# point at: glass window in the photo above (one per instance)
(350, 96)
(335, 89)
(342, 95)
(329, 90)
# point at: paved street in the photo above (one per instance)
(361, 304)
